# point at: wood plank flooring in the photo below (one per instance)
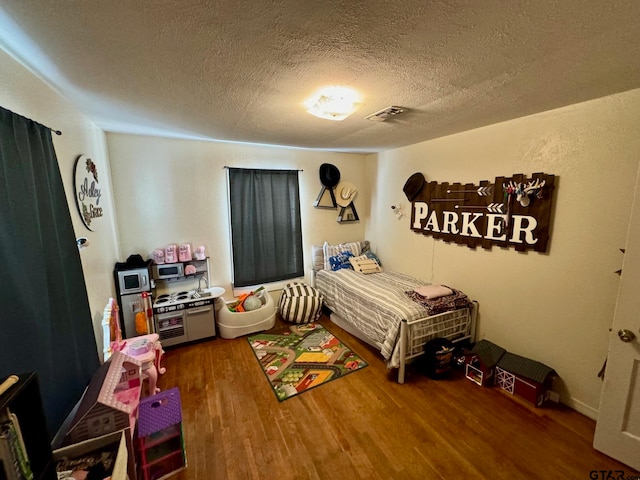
(366, 425)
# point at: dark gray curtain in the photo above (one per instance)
(265, 226)
(45, 319)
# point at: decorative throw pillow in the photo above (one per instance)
(365, 264)
(340, 261)
(333, 250)
(373, 256)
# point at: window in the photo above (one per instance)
(266, 233)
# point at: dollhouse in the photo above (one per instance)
(110, 402)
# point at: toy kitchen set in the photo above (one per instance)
(169, 294)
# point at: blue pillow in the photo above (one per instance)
(340, 261)
(373, 256)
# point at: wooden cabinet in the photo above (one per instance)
(23, 399)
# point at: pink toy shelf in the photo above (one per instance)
(160, 439)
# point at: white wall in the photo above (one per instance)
(174, 191)
(24, 94)
(556, 307)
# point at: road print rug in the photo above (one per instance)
(303, 358)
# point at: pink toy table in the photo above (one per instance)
(147, 350)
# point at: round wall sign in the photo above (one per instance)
(88, 192)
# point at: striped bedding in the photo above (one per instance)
(374, 304)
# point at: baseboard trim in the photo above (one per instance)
(580, 407)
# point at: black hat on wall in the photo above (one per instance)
(413, 186)
(329, 175)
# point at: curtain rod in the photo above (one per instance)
(57, 132)
(283, 169)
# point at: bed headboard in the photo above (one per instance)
(317, 258)
(318, 253)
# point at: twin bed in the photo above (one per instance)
(375, 308)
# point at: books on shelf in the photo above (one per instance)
(14, 461)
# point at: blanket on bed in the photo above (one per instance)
(441, 304)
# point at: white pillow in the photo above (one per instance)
(317, 257)
(365, 264)
(333, 250)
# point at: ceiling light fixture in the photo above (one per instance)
(333, 103)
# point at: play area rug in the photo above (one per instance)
(302, 358)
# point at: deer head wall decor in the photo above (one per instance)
(524, 191)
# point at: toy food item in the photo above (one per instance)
(141, 323)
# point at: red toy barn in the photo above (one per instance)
(526, 378)
(480, 364)
(488, 364)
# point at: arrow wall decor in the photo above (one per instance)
(487, 214)
(481, 191)
(492, 207)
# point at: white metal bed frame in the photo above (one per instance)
(415, 333)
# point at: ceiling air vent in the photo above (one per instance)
(385, 114)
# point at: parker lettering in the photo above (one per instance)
(508, 212)
(467, 224)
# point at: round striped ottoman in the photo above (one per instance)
(300, 303)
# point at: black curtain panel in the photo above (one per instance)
(45, 319)
(266, 230)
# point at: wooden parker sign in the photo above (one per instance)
(512, 212)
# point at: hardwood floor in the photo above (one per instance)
(366, 425)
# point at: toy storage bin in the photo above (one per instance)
(235, 324)
(160, 439)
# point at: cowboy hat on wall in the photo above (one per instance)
(345, 193)
(329, 178)
(414, 186)
(329, 175)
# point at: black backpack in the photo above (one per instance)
(438, 357)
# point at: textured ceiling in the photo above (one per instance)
(240, 70)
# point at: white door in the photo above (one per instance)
(618, 426)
